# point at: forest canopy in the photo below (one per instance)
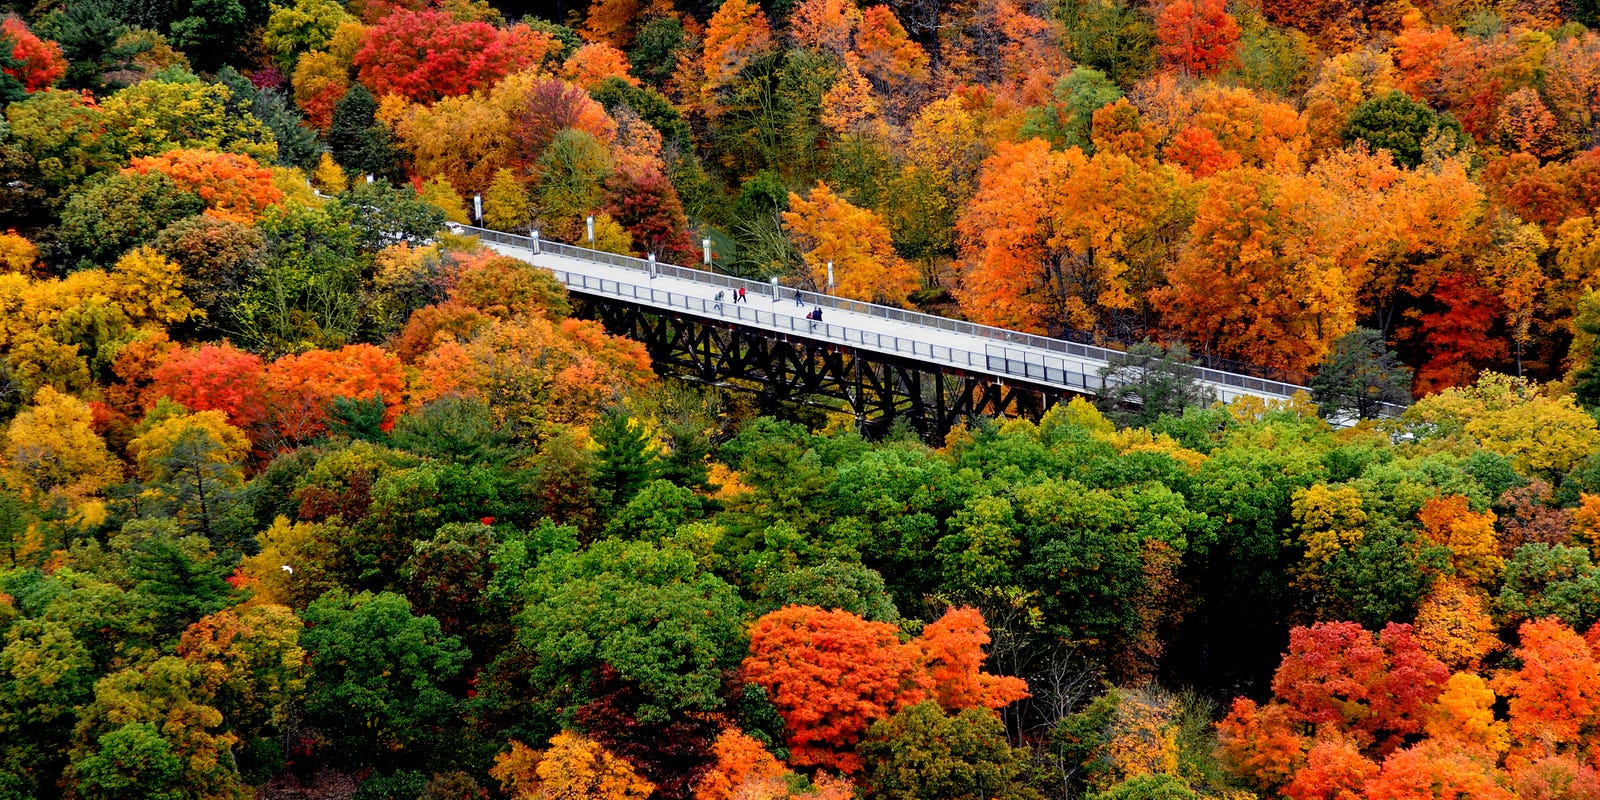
(304, 496)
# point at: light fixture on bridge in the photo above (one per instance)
(652, 265)
(591, 230)
(830, 277)
(477, 208)
(536, 243)
(705, 249)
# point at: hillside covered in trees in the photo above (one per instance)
(302, 496)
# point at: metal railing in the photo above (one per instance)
(1037, 362)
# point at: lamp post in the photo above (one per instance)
(705, 250)
(591, 230)
(830, 277)
(536, 243)
(652, 257)
(477, 208)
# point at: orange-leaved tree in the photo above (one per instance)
(1554, 697)
(426, 55)
(574, 767)
(1376, 688)
(865, 266)
(592, 64)
(1437, 771)
(214, 377)
(736, 33)
(1261, 743)
(952, 652)
(1061, 237)
(234, 187)
(1469, 535)
(741, 768)
(1251, 282)
(302, 388)
(831, 674)
(38, 62)
(1335, 769)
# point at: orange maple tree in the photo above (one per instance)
(865, 266)
(1375, 687)
(1435, 771)
(1261, 743)
(735, 34)
(1554, 698)
(1335, 769)
(234, 187)
(952, 652)
(830, 674)
(214, 378)
(302, 387)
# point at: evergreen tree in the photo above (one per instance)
(1359, 377)
(359, 143)
(1148, 382)
(627, 457)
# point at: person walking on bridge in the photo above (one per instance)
(739, 298)
(798, 300)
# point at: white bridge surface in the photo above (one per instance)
(926, 338)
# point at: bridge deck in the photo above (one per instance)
(920, 337)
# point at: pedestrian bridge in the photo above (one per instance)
(875, 361)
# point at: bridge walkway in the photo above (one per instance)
(932, 340)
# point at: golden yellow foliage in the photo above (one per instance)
(51, 449)
(304, 548)
(1454, 626)
(828, 228)
(1144, 734)
(1586, 521)
(573, 768)
(1329, 520)
(1464, 713)
(148, 449)
(18, 255)
(1474, 549)
(149, 286)
(1543, 436)
(328, 176)
(438, 191)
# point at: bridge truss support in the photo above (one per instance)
(876, 388)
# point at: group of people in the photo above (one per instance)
(815, 315)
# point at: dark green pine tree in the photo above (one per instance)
(359, 144)
(1148, 382)
(627, 458)
(1359, 376)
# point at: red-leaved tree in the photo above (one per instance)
(39, 61)
(426, 55)
(1196, 36)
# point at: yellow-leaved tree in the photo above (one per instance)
(1329, 520)
(827, 228)
(575, 767)
(52, 451)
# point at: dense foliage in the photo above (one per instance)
(303, 496)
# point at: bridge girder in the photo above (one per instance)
(876, 388)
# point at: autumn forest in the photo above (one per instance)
(306, 494)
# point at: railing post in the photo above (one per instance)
(535, 243)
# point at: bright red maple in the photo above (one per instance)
(39, 61)
(1197, 36)
(427, 55)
